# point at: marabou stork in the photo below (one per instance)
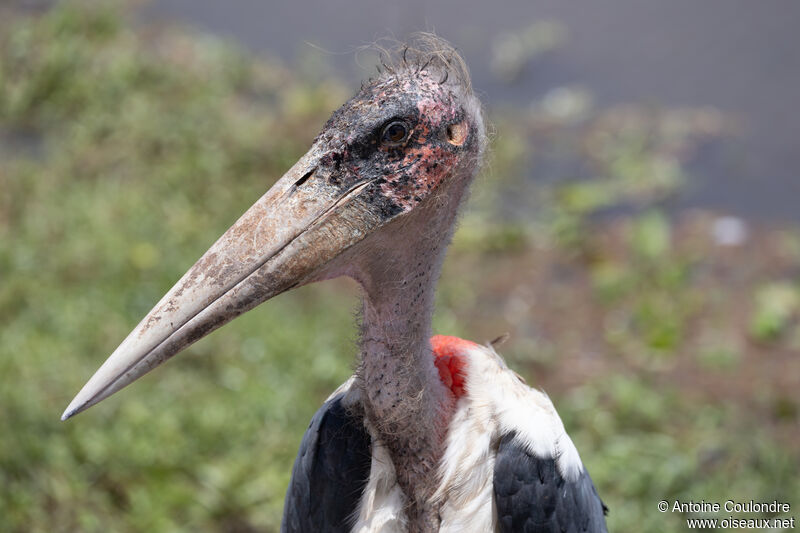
(431, 433)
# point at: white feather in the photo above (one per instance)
(496, 402)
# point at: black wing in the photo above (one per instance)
(532, 497)
(329, 474)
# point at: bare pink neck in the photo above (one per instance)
(404, 398)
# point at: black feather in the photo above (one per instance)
(532, 497)
(329, 474)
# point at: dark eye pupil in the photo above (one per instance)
(395, 132)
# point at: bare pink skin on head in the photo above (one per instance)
(431, 162)
(401, 175)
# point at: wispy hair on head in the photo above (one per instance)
(423, 51)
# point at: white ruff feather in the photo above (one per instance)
(496, 402)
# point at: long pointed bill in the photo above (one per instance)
(282, 241)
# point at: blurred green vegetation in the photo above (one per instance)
(125, 150)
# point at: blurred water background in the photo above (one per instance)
(737, 56)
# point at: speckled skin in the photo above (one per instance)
(400, 177)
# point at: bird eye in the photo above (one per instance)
(395, 133)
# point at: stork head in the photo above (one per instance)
(410, 136)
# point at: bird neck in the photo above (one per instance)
(405, 401)
(402, 386)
